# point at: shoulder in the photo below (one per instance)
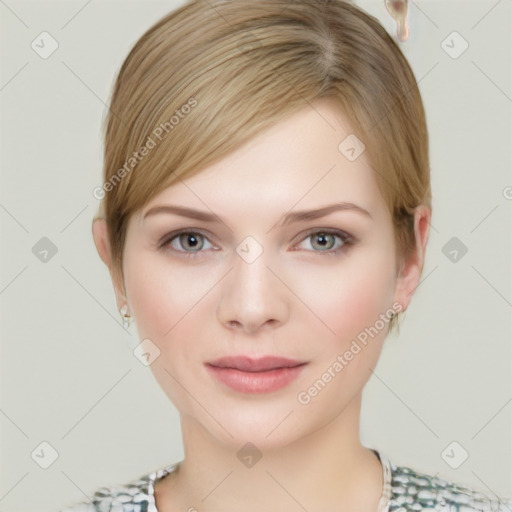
(134, 496)
(413, 490)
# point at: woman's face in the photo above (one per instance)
(256, 280)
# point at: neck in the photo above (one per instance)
(324, 470)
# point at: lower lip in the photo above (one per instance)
(256, 382)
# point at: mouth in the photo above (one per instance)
(248, 375)
(262, 364)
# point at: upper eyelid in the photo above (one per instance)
(168, 238)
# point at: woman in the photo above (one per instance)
(265, 215)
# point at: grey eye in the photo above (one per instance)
(323, 241)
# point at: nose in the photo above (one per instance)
(252, 297)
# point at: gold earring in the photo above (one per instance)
(127, 318)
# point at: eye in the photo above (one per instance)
(187, 242)
(328, 242)
(192, 243)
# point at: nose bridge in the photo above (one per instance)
(252, 295)
(250, 270)
(251, 275)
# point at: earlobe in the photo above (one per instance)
(410, 274)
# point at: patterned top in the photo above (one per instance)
(404, 490)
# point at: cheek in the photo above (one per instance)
(168, 303)
(350, 302)
(350, 296)
(152, 306)
(164, 297)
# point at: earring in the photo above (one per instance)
(127, 318)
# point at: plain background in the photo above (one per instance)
(69, 377)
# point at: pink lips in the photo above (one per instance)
(262, 375)
(247, 364)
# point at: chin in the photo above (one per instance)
(247, 437)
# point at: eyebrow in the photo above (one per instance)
(289, 218)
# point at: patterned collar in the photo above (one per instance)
(383, 505)
(404, 489)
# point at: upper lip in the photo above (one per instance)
(248, 364)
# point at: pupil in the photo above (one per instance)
(191, 241)
(322, 239)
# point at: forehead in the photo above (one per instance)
(304, 160)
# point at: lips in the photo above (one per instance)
(248, 364)
(244, 374)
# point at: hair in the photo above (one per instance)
(209, 76)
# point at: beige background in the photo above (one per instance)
(68, 375)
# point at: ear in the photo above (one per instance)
(409, 276)
(101, 240)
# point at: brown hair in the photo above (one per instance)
(209, 76)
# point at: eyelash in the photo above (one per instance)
(348, 242)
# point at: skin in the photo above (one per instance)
(294, 300)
